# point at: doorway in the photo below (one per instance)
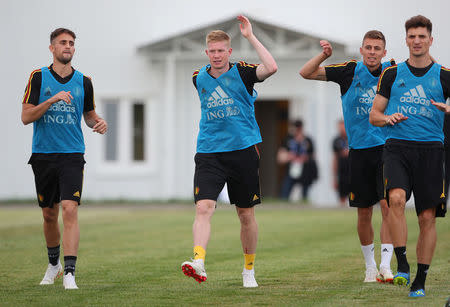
(273, 119)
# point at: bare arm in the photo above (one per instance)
(31, 113)
(95, 122)
(377, 116)
(268, 65)
(312, 69)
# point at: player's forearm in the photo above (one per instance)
(377, 118)
(312, 70)
(31, 113)
(269, 66)
(91, 118)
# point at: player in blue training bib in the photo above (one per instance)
(409, 103)
(55, 100)
(226, 145)
(358, 82)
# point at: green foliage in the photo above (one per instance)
(131, 256)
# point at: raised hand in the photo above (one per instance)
(326, 48)
(245, 26)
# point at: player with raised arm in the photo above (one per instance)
(226, 145)
(357, 81)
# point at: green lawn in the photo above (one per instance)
(131, 256)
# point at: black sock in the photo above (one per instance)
(402, 263)
(53, 255)
(69, 264)
(421, 276)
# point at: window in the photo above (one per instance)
(138, 132)
(111, 117)
(127, 141)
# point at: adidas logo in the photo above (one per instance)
(76, 194)
(48, 92)
(219, 98)
(415, 95)
(385, 250)
(442, 195)
(255, 197)
(203, 91)
(369, 95)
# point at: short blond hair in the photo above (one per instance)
(217, 36)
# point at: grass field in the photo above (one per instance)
(131, 256)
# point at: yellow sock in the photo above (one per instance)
(249, 261)
(199, 252)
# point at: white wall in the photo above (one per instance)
(109, 33)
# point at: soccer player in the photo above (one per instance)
(226, 145)
(56, 97)
(413, 154)
(357, 81)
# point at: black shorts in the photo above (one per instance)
(57, 177)
(239, 169)
(416, 167)
(366, 176)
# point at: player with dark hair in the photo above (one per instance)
(56, 97)
(414, 154)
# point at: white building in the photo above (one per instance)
(154, 113)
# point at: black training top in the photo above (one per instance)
(343, 73)
(246, 71)
(390, 73)
(388, 78)
(33, 88)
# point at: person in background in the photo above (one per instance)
(341, 171)
(298, 154)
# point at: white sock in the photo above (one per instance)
(369, 257)
(386, 255)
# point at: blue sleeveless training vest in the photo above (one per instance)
(228, 114)
(59, 129)
(356, 106)
(410, 95)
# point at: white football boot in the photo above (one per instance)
(194, 269)
(69, 281)
(248, 278)
(53, 272)
(371, 274)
